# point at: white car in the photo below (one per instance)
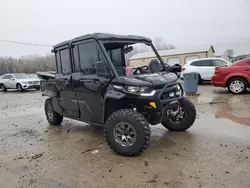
(205, 67)
(19, 81)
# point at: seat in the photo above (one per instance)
(154, 66)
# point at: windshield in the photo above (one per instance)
(128, 54)
(21, 76)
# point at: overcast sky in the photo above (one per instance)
(179, 22)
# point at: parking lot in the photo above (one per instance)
(215, 152)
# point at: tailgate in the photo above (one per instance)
(48, 88)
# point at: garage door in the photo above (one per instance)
(188, 58)
(173, 61)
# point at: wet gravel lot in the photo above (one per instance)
(215, 152)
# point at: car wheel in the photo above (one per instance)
(19, 87)
(184, 119)
(237, 86)
(53, 117)
(127, 132)
(199, 79)
(3, 88)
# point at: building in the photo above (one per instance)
(175, 56)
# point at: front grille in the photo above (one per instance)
(171, 91)
(33, 82)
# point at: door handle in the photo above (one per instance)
(247, 69)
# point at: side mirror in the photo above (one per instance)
(102, 69)
(128, 49)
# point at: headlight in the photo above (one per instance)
(143, 91)
(171, 94)
(24, 82)
(133, 89)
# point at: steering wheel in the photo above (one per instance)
(141, 70)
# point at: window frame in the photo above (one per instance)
(70, 60)
(73, 58)
(99, 47)
(212, 63)
(198, 61)
(218, 60)
(5, 76)
(12, 76)
(200, 64)
(58, 62)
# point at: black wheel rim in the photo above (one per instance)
(124, 134)
(179, 117)
(50, 112)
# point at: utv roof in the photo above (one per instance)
(105, 36)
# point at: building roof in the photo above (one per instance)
(178, 51)
(105, 36)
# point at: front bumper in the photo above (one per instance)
(30, 86)
(163, 104)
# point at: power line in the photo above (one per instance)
(25, 43)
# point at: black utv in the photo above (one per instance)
(91, 85)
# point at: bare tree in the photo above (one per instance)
(161, 44)
(27, 64)
(229, 52)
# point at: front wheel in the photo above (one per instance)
(19, 88)
(53, 117)
(184, 119)
(127, 132)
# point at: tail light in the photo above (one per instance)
(182, 69)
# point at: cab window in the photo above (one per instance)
(65, 61)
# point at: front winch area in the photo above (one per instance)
(171, 91)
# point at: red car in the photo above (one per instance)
(236, 77)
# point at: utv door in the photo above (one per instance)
(68, 101)
(89, 86)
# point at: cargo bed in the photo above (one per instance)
(47, 84)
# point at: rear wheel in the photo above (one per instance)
(127, 132)
(184, 119)
(237, 85)
(3, 88)
(19, 87)
(53, 117)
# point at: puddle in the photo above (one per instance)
(233, 118)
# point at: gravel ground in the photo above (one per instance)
(214, 152)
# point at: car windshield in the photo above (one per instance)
(21, 76)
(129, 54)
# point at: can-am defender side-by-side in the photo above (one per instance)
(91, 85)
